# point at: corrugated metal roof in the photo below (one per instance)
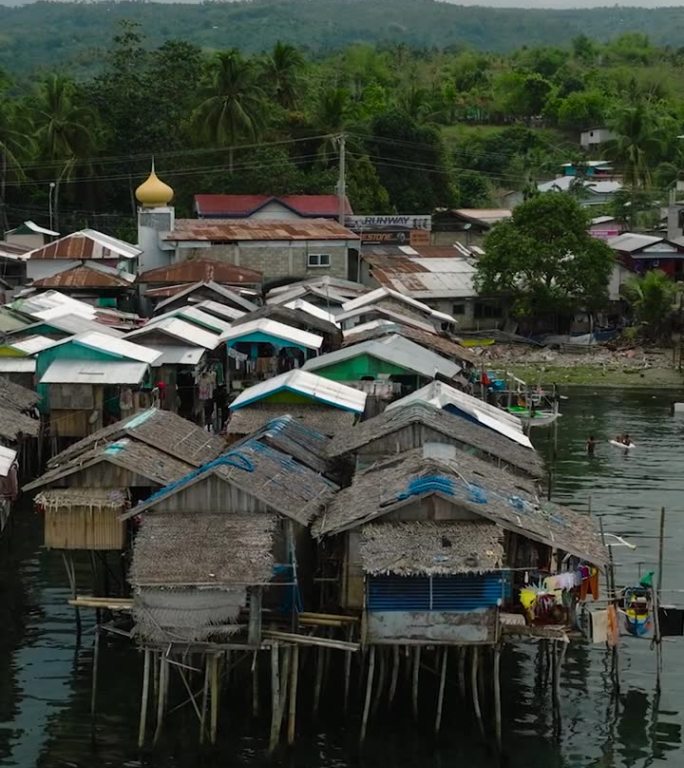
(201, 270)
(395, 350)
(116, 347)
(86, 244)
(51, 304)
(236, 230)
(347, 287)
(485, 215)
(74, 324)
(246, 205)
(346, 318)
(442, 395)
(177, 355)
(172, 326)
(220, 310)
(13, 251)
(17, 365)
(275, 329)
(232, 297)
(384, 293)
(302, 382)
(94, 372)
(311, 309)
(632, 241)
(34, 344)
(7, 458)
(592, 185)
(86, 276)
(31, 226)
(205, 319)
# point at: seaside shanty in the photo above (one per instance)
(281, 477)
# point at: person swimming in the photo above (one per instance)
(626, 440)
(591, 445)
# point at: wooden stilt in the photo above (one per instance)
(347, 667)
(395, 674)
(318, 681)
(462, 653)
(96, 657)
(275, 697)
(497, 694)
(292, 709)
(285, 684)
(369, 692)
(214, 683)
(205, 700)
(440, 695)
(161, 691)
(381, 681)
(416, 675)
(473, 685)
(144, 697)
(255, 685)
(71, 578)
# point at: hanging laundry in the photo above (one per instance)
(599, 626)
(613, 627)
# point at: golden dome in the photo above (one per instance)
(153, 193)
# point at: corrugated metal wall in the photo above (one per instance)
(465, 592)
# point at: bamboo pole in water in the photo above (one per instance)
(144, 697)
(497, 693)
(442, 683)
(161, 689)
(395, 674)
(275, 697)
(473, 684)
(205, 698)
(96, 658)
(214, 697)
(369, 692)
(292, 709)
(416, 676)
(659, 586)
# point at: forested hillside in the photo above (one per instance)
(49, 34)
(424, 129)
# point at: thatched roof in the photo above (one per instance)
(15, 396)
(100, 499)
(200, 549)
(13, 423)
(456, 429)
(274, 478)
(297, 318)
(430, 548)
(471, 485)
(139, 458)
(328, 421)
(296, 439)
(163, 430)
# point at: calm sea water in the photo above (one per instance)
(45, 679)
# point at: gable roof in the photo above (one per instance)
(114, 347)
(222, 311)
(237, 230)
(310, 385)
(456, 429)
(94, 372)
(392, 349)
(201, 270)
(30, 227)
(86, 276)
(469, 483)
(186, 291)
(163, 430)
(387, 293)
(83, 245)
(239, 206)
(297, 318)
(272, 328)
(177, 330)
(272, 477)
(327, 421)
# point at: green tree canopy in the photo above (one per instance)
(544, 260)
(651, 297)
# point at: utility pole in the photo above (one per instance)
(342, 181)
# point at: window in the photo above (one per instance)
(458, 309)
(319, 260)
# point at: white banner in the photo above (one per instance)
(359, 223)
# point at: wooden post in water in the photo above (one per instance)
(473, 685)
(205, 699)
(347, 668)
(658, 589)
(320, 661)
(292, 710)
(144, 697)
(369, 693)
(395, 674)
(440, 695)
(275, 697)
(161, 691)
(255, 684)
(214, 697)
(416, 676)
(462, 653)
(96, 658)
(71, 577)
(381, 681)
(497, 694)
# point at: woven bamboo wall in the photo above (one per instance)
(81, 527)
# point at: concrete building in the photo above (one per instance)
(594, 137)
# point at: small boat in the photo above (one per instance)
(624, 447)
(534, 419)
(638, 611)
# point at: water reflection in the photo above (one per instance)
(45, 683)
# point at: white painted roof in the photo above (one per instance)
(94, 372)
(17, 365)
(7, 458)
(392, 349)
(177, 355)
(220, 310)
(345, 319)
(74, 324)
(38, 230)
(48, 304)
(601, 220)
(380, 326)
(305, 383)
(275, 329)
(118, 347)
(563, 184)
(311, 309)
(205, 319)
(325, 293)
(632, 241)
(382, 293)
(221, 290)
(34, 344)
(183, 331)
(440, 395)
(124, 249)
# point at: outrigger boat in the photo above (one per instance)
(638, 611)
(534, 407)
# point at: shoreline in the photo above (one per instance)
(594, 377)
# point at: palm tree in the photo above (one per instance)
(64, 130)
(333, 112)
(234, 106)
(281, 74)
(14, 144)
(652, 297)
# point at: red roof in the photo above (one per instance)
(243, 206)
(201, 270)
(236, 230)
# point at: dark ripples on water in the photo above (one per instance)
(45, 681)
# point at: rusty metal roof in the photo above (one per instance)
(235, 230)
(245, 205)
(201, 270)
(85, 276)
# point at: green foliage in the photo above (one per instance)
(651, 297)
(543, 259)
